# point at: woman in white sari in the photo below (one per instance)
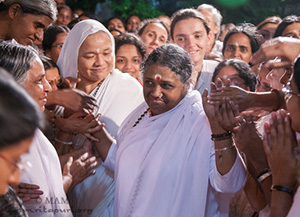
(88, 54)
(163, 158)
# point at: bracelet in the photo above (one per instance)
(63, 142)
(223, 136)
(224, 149)
(281, 188)
(263, 175)
(278, 99)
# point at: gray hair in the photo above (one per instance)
(19, 114)
(173, 57)
(17, 59)
(37, 7)
(215, 12)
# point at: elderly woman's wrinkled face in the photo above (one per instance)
(36, 84)
(162, 89)
(154, 36)
(95, 58)
(238, 46)
(229, 72)
(9, 164)
(191, 35)
(293, 103)
(128, 60)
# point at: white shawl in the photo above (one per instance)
(117, 96)
(162, 164)
(46, 173)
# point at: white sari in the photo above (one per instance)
(46, 173)
(117, 96)
(165, 165)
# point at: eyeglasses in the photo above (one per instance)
(287, 89)
(21, 166)
(58, 46)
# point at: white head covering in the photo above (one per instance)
(68, 58)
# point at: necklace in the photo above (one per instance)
(97, 88)
(141, 117)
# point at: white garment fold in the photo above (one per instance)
(45, 172)
(163, 165)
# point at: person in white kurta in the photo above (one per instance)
(117, 95)
(164, 164)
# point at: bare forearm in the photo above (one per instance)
(268, 100)
(104, 143)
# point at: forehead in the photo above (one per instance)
(128, 49)
(189, 25)
(156, 27)
(64, 10)
(166, 73)
(239, 38)
(269, 26)
(291, 28)
(227, 71)
(36, 70)
(97, 40)
(33, 18)
(134, 19)
(115, 20)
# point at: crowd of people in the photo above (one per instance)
(169, 116)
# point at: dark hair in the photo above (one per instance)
(173, 57)
(49, 63)
(243, 69)
(17, 59)
(184, 14)
(142, 26)
(50, 35)
(64, 7)
(284, 23)
(19, 114)
(112, 18)
(36, 7)
(247, 29)
(296, 74)
(131, 39)
(273, 20)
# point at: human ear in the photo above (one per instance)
(14, 10)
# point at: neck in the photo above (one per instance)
(4, 27)
(87, 87)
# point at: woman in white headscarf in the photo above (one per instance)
(88, 54)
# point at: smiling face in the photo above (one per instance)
(154, 35)
(9, 158)
(238, 46)
(26, 28)
(95, 58)
(191, 35)
(162, 89)
(128, 60)
(55, 50)
(36, 84)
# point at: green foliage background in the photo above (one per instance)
(252, 11)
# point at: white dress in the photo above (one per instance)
(45, 172)
(165, 165)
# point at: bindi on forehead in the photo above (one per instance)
(157, 77)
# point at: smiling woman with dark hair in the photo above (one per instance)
(25, 20)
